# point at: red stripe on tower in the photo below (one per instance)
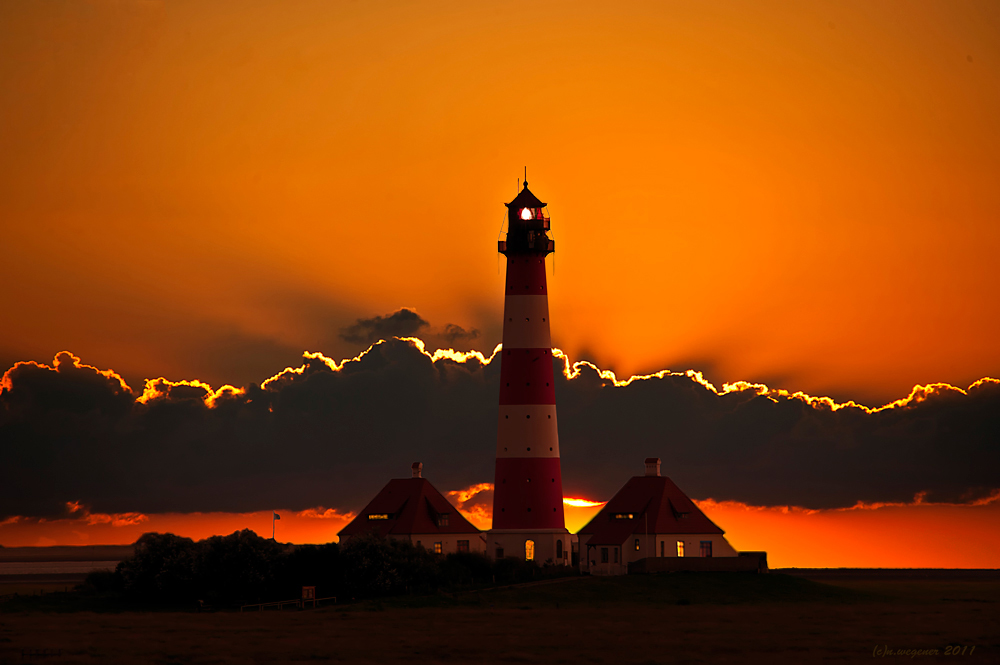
(528, 516)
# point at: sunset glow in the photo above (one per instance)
(583, 503)
(825, 180)
(865, 536)
(251, 260)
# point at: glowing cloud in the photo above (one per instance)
(582, 503)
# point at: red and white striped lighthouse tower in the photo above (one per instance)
(527, 501)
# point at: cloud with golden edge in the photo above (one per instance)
(917, 395)
(75, 510)
(62, 359)
(320, 513)
(572, 370)
(918, 501)
(582, 503)
(464, 495)
(160, 388)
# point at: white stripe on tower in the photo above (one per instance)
(527, 430)
(526, 322)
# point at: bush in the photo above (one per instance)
(163, 568)
(376, 566)
(464, 569)
(245, 568)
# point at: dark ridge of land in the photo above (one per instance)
(664, 589)
(67, 553)
(893, 573)
(728, 617)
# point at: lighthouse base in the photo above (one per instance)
(550, 547)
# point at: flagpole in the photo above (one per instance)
(272, 525)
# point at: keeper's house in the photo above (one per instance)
(412, 509)
(650, 525)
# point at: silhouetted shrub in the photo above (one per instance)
(163, 568)
(463, 569)
(245, 568)
(311, 565)
(376, 566)
(239, 567)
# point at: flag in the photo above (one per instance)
(277, 516)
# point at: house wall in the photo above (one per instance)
(590, 560)
(449, 541)
(513, 545)
(649, 547)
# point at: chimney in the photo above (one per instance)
(417, 467)
(652, 466)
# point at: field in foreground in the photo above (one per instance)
(657, 619)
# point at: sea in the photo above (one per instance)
(53, 567)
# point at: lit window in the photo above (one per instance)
(706, 548)
(529, 550)
(463, 546)
(680, 548)
(636, 544)
(380, 516)
(438, 548)
(525, 213)
(622, 516)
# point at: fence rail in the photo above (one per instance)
(281, 604)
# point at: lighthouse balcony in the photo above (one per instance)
(540, 244)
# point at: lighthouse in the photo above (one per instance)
(528, 517)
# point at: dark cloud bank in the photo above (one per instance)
(401, 323)
(332, 438)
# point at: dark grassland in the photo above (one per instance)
(807, 617)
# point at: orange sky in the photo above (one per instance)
(914, 535)
(797, 193)
(802, 194)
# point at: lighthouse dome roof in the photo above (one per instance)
(525, 199)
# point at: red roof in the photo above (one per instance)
(405, 506)
(647, 504)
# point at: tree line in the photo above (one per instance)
(244, 568)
